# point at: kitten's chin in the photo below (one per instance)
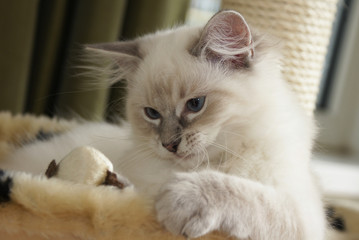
(189, 161)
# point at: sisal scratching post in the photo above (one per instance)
(305, 28)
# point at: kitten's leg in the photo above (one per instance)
(193, 204)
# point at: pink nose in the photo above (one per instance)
(172, 146)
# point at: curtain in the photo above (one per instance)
(38, 51)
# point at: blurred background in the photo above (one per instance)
(40, 38)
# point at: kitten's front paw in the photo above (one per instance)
(184, 207)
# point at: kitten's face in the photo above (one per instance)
(177, 108)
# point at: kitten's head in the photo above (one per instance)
(187, 86)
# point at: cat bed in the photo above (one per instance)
(53, 208)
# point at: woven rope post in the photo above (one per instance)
(305, 28)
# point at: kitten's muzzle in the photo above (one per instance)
(172, 146)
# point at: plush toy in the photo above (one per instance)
(86, 165)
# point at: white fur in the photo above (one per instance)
(249, 175)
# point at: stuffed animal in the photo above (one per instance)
(86, 165)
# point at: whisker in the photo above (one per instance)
(133, 159)
(119, 138)
(176, 137)
(226, 150)
(205, 157)
(233, 133)
(195, 167)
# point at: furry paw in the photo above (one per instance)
(184, 207)
(5, 186)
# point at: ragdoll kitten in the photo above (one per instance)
(214, 136)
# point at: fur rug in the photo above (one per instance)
(33, 207)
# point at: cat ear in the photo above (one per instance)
(226, 39)
(125, 55)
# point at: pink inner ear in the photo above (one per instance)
(227, 38)
(236, 29)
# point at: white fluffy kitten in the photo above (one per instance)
(214, 137)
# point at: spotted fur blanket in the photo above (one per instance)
(34, 207)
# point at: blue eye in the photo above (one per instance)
(152, 113)
(195, 104)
